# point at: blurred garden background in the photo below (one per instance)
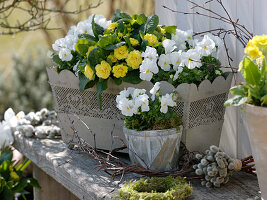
(24, 43)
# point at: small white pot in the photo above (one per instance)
(256, 119)
(154, 149)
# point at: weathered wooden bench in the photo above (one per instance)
(68, 175)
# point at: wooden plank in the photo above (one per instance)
(77, 173)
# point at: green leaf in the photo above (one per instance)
(88, 37)
(57, 60)
(236, 101)
(101, 86)
(34, 183)
(118, 15)
(264, 100)
(251, 72)
(239, 90)
(117, 81)
(151, 24)
(105, 41)
(170, 29)
(22, 184)
(7, 194)
(82, 46)
(132, 77)
(83, 80)
(141, 19)
(6, 154)
(97, 29)
(114, 46)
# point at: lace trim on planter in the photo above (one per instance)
(84, 103)
(207, 111)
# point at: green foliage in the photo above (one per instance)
(11, 178)
(153, 119)
(25, 87)
(159, 188)
(254, 91)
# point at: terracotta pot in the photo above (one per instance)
(154, 149)
(256, 119)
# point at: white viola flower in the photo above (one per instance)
(191, 59)
(6, 137)
(154, 90)
(164, 62)
(206, 46)
(84, 27)
(169, 45)
(126, 107)
(138, 92)
(179, 37)
(72, 30)
(166, 101)
(125, 94)
(65, 54)
(189, 37)
(176, 58)
(59, 43)
(150, 53)
(147, 69)
(218, 44)
(178, 71)
(70, 41)
(143, 102)
(11, 119)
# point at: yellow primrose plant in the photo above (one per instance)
(254, 71)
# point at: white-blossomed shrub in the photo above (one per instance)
(144, 112)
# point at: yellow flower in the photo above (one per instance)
(120, 34)
(252, 50)
(260, 40)
(103, 70)
(260, 60)
(134, 59)
(112, 58)
(162, 30)
(112, 26)
(121, 52)
(88, 72)
(14, 175)
(134, 42)
(119, 71)
(152, 39)
(90, 49)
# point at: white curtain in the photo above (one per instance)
(251, 13)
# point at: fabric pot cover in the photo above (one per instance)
(154, 149)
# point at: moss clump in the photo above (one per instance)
(167, 188)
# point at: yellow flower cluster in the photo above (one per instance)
(134, 59)
(134, 42)
(112, 58)
(121, 52)
(257, 47)
(112, 26)
(103, 70)
(88, 72)
(152, 39)
(119, 70)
